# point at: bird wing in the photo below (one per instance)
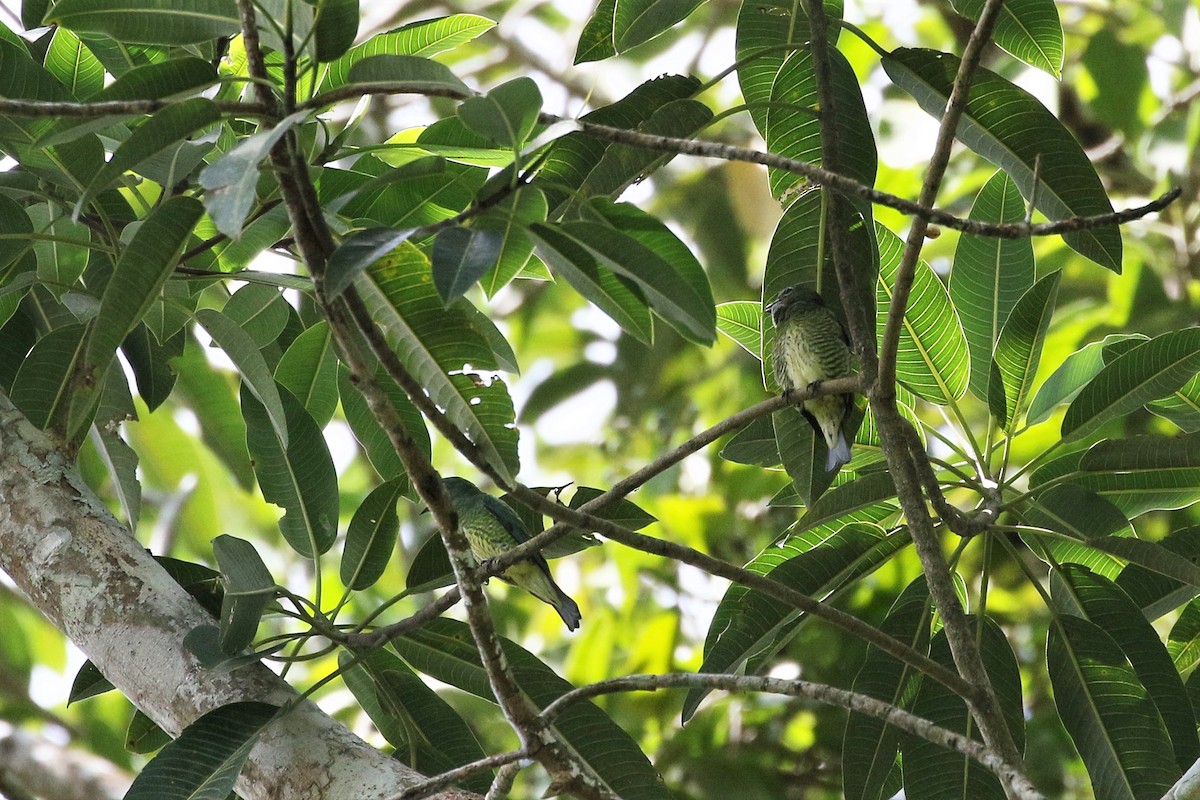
(515, 527)
(507, 518)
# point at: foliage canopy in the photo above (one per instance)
(264, 284)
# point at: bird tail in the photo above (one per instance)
(567, 608)
(535, 578)
(839, 454)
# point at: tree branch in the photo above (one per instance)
(983, 703)
(823, 693)
(119, 108)
(316, 245)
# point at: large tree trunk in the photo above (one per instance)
(87, 575)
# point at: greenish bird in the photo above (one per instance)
(812, 346)
(493, 528)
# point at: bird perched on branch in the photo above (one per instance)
(493, 528)
(812, 346)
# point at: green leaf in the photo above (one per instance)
(360, 250)
(1028, 29)
(623, 512)
(622, 165)
(1019, 349)
(149, 21)
(794, 129)
(371, 536)
(1108, 542)
(642, 249)
(421, 74)
(145, 264)
(1078, 591)
(89, 682)
(578, 165)
(165, 128)
(309, 371)
(461, 256)
(797, 255)
(618, 27)
(803, 454)
(428, 734)
(42, 388)
(444, 649)
(149, 361)
(425, 38)
(1144, 473)
(420, 193)
(249, 589)
(143, 736)
(373, 439)
(511, 220)
(231, 180)
(259, 310)
(1149, 371)
(69, 60)
(870, 745)
(212, 396)
(246, 356)
(753, 444)
(989, 275)
(335, 28)
(1108, 713)
(748, 621)
(1182, 407)
(434, 341)
(298, 477)
(741, 321)
(763, 29)
(59, 263)
(618, 297)
(201, 582)
(596, 39)
(1012, 129)
(430, 568)
(932, 360)
(933, 771)
(506, 115)
(846, 500)
(17, 252)
(1066, 382)
(1076, 512)
(204, 762)
(1151, 582)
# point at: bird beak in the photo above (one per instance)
(769, 308)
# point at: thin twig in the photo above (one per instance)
(450, 777)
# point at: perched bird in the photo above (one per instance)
(492, 528)
(812, 346)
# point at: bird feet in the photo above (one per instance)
(485, 566)
(815, 386)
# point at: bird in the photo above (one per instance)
(811, 346)
(492, 528)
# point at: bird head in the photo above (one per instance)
(792, 300)
(459, 488)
